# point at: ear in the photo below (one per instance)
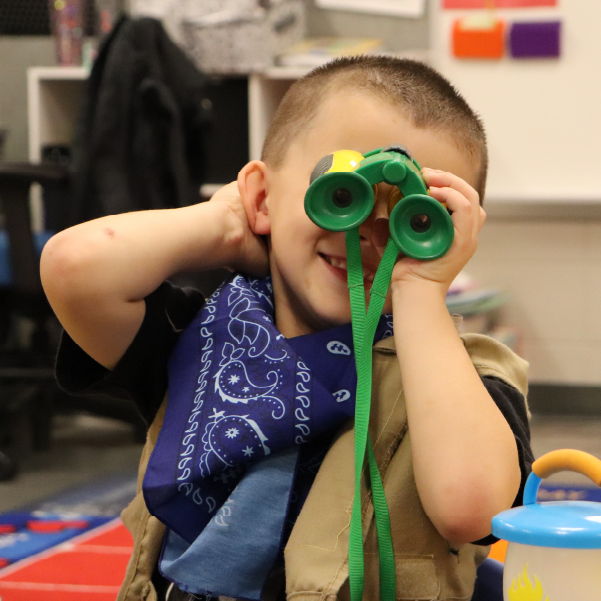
(252, 185)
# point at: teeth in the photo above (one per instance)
(341, 264)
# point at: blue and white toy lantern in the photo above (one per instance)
(554, 550)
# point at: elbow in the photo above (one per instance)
(468, 517)
(464, 529)
(463, 523)
(64, 266)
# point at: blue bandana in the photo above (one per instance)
(242, 401)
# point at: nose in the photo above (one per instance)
(374, 230)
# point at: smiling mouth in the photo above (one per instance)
(340, 264)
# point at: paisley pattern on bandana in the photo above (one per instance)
(239, 392)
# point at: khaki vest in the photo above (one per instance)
(316, 553)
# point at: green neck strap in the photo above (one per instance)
(340, 198)
(364, 325)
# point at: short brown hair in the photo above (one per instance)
(429, 98)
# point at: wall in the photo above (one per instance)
(551, 270)
(542, 115)
(547, 254)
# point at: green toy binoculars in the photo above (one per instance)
(341, 197)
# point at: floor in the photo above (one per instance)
(88, 449)
(85, 449)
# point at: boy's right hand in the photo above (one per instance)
(250, 254)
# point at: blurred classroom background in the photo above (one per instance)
(534, 282)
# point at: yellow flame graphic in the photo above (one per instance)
(523, 589)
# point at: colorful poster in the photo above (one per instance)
(496, 3)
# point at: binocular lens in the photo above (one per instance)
(420, 223)
(342, 198)
(339, 201)
(421, 227)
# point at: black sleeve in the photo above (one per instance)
(512, 405)
(141, 374)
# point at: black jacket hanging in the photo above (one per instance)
(139, 141)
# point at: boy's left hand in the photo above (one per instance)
(468, 218)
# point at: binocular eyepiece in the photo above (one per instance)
(341, 197)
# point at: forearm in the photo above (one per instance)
(97, 274)
(130, 254)
(464, 453)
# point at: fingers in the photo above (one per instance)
(445, 179)
(226, 192)
(466, 216)
(482, 217)
(459, 197)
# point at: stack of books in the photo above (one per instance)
(479, 309)
(313, 52)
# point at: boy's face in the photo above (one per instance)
(308, 264)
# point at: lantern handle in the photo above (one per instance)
(558, 461)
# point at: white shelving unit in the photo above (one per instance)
(54, 96)
(265, 90)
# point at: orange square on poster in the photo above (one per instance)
(478, 42)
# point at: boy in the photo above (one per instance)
(449, 418)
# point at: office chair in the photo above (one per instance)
(27, 326)
(29, 331)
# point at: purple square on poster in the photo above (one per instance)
(538, 39)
